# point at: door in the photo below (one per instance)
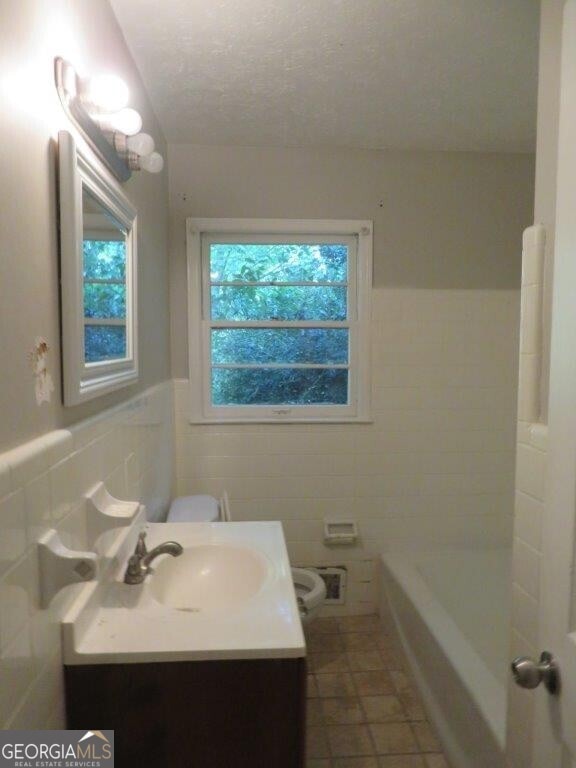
(555, 724)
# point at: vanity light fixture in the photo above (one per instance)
(98, 106)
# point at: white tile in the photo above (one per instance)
(17, 670)
(529, 513)
(5, 479)
(59, 444)
(42, 708)
(539, 436)
(38, 507)
(16, 597)
(12, 529)
(525, 615)
(64, 487)
(73, 528)
(26, 461)
(526, 568)
(531, 471)
(531, 324)
(529, 387)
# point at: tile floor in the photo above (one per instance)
(363, 709)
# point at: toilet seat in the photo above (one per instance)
(310, 592)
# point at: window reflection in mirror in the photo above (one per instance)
(104, 284)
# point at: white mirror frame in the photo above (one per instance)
(78, 170)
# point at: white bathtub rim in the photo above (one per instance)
(478, 680)
(452, 748)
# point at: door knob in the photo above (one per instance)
(529, 673)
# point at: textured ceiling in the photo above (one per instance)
(425, 74)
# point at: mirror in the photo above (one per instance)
(98, 278)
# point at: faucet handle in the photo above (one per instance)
(141, 549)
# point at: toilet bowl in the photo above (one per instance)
(310, 593)
(309, 586)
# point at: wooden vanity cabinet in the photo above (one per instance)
(201, 714)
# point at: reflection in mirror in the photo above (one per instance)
(104, 273)
(98, 261)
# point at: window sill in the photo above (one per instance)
(280, 420)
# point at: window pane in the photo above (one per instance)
(105, 259)
(286, 345)
(104, 300)
(278, 303)
(284, 262)
(104, 342)
(279, 386)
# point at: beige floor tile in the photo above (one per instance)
(314, 714)
(350, 740)
(325, 625)
(393, 738)
(325, 643)
(359, 624)
(336, 685)
(355, 762)
(326, 663)
(426, 737)
(360, 641)
(376, 683)
(402, 681)
(362, 661)
(436, 761)
(316, 742)
(391, 659)
(402, 761)
(358, 676)
(311, 687)
(413, 705)
(346, 711)
(383, 709)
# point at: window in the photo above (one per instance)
(279, 319)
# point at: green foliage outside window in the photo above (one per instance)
(281, 283)
(104, 298)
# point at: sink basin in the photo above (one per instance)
(209, 577)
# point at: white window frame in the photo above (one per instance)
(80, 170)
(199, 324)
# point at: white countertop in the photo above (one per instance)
(112, 622)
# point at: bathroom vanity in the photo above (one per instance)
(203, 664)
(242, 714)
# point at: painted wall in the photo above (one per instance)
(32, 33)
(436, 467)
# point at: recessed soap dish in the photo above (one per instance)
(340, 531)
(106, 512)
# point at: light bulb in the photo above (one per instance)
(152, 163)
(107, 92)
(141, 144)
(127, 121)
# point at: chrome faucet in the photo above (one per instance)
(139, 563)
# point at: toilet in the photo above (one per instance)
(309, 586)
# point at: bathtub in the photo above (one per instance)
(451, 612)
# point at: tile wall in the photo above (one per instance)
(434, 469)
(42, 484)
